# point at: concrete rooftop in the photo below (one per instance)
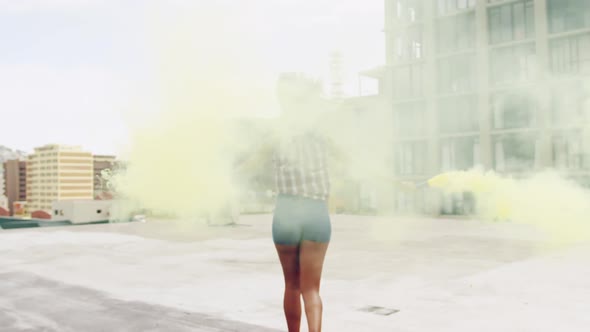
(441, 274)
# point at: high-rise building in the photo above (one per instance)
(15, 185)
(497, 83)
(101, 163)
(56, 172)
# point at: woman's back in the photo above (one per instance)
(301, 167)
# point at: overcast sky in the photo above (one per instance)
(68, 68)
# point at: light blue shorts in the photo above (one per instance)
(298, 218)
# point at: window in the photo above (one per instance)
(456, 74)
(409, 119)
(446, 7)
(456, 33)
(567, 15)
(411, 158)
(98, 211)
(512, 21)
(409, 46)
(570, 55)
(514, 153)
(459, 153)
(571, 152)
(512, 110)
(458, 115)
(513, 64)
(569, 105)
(409, 11)
(407, 81)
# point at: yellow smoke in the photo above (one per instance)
(557, 206)
(180, 159)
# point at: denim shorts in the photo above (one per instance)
(298, 218)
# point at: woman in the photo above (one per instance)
(301, 226)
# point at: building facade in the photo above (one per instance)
(101, 163)
(15, 182)
(55, 173)
(501, 84)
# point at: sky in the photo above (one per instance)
(70, 70)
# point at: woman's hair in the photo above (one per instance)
(300, 98)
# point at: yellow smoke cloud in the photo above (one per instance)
(207, 74)
(557, 206)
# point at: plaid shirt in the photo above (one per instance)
(301, 169)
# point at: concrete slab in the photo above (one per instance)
(442, 275)
(32, 303)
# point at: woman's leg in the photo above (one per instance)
(289, 257)
(311, 262)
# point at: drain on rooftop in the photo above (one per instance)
(379, 310)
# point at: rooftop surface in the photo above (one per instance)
(441, 274)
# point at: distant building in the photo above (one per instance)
(56, 173)
(15, 182)
(500, 84)
(102, 163)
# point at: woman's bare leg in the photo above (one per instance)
(289, 257)
(311, 262)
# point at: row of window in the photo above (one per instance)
(47, 154)
(562, 15)
(33, 181)
(408, 11)
(48, 174)
(510, 22)
(46, 187)
(513, 21)
(34, 201)
(409, 46)
(568, 15)
(511, 153)
(456, 74)
(413, 10)
(508, 65)
(459, 153)
(455, 33)
(48, 161)
(35, 191)
(570, 55)
(509, 110)
(445, 7)
(42, 194)
(410, 119)
(48, 167)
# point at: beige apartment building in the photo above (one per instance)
(56, 172)
(502, 84)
